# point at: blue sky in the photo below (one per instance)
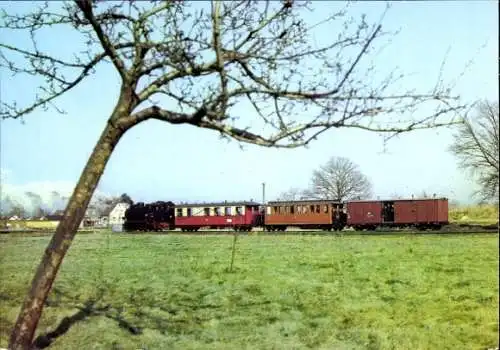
(158, 161)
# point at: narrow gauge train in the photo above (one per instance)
(279, 215)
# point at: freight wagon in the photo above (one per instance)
(419, 213)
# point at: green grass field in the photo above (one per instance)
(285, 292)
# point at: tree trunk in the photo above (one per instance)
(27, 321)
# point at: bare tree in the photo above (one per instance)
(292, 194)
(207, 64)
(340, 179)
(18, 210)
(6, 203)
(476, 145)
(36, 203)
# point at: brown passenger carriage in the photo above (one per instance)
(305, 214)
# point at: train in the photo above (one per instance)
(327, 215)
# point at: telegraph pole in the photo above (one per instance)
(263, 193)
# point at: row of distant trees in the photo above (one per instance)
(475, 144)
(36, 208)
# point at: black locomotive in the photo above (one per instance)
(156, 216)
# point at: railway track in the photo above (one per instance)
(447, 230)
(329, 233)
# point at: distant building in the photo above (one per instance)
(116, 215)
(91, 217)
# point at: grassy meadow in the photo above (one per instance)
(118, 291)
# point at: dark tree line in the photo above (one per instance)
(204, 64)
(36, 208)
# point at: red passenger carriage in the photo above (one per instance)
(240, 216)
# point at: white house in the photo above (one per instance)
(117, 213)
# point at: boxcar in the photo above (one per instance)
(364, 214)
(305, 214)
(240, 216)
(420, 213)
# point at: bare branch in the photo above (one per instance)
(86, 7)
(476, 145)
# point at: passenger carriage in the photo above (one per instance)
(305, 214)
(239, 216)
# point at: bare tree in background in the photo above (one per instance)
(10, 207)
(476, 145)
(339, 179)
(207, 64)
(292, 194)
(36, 202)
(104, 204)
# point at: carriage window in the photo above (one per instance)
(206, 211)
(217, 211)
(227, 211)
(292, 210)
(179, 212)
(239, 211)
(311, 208)
(275, 210)
(325, 209)
(189, 211)
(318, 210)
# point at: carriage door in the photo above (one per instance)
(388, 211)
(333, 208)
